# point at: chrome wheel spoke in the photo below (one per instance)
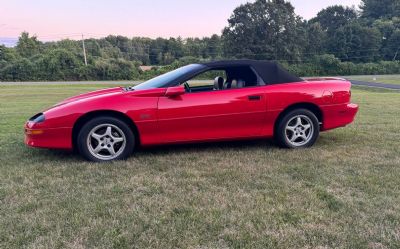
(293, 138)
(291, 128)
(118, 139)
(98, 148)
(111, 150)
(108, 131)
(96, 136)
(298, 121)
(303, 136)
(306, 127)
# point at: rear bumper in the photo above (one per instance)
(51, 138)
(339, 116)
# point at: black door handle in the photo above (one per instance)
(254, 97)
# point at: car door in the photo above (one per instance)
(230, 113)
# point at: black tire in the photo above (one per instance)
(124, 150)
(282, 134)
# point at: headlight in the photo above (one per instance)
(38, 118)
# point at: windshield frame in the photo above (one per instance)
(171, 78)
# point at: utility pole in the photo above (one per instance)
(84, 50)
(148, 54)
(395, 55)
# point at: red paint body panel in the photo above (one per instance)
(202, 116)
(211, 115)
(56, 138)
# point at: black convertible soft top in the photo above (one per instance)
(271, 72)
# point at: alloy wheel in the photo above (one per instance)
(106, 141)
(299, 130)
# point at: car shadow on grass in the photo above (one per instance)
(208, 146)
(54, 155)
(325, 139)
(48, 155)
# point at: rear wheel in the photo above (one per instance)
(297, 129)
(105, 139)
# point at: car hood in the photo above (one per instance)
(102, 92)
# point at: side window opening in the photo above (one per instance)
(241, 76)
(206, 80)
(223, 78)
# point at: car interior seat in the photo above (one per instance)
(241, 83)
(219, 83)
(227, 85)
(234, 83)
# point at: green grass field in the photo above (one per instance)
(389, 79)
(342, 193)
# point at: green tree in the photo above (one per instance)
(354, 42)
(67, 44)
(264, 30)
(156, 50)
(334, 17)
(115, 69)
(140, 50)
(213, 47)
(376, 9)
(20, 70)
(58, 64)
(194, 47)
(7, 55)
(316, 39)
(389, 29)
(27, 46)
(92, 48)
(174, 48)
(387, 26)
(392, 49)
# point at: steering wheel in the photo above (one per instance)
(187, 87)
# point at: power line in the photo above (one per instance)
(260, 54)
(211, 47)
(141, 43)
(220, 46)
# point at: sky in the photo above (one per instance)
(57, 19)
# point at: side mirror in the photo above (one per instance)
(175, 91)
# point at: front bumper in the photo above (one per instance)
(51, 138)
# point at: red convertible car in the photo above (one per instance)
(213, 101)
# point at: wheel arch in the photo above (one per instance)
(110, 113)
(304, 105)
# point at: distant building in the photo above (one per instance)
(146, 68)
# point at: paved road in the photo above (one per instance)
(354, 82)
(376, 85)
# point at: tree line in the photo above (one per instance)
(338, 41)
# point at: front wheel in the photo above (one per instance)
(105, 139)
(297, 129)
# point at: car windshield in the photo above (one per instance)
(163, 79)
